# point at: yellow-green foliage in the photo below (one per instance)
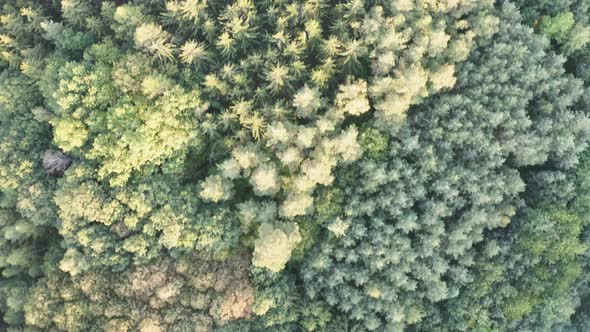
(273, 247)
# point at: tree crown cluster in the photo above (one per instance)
(274, 165)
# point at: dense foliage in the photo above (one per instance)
(291, 165)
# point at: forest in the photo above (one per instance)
(295, 165)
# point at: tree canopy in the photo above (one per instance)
(273, 165)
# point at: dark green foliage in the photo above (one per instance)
(27, 214)
(523, 282)
(453, 174)
(566, 23)
(374, 143)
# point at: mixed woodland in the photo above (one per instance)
(295, 165)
